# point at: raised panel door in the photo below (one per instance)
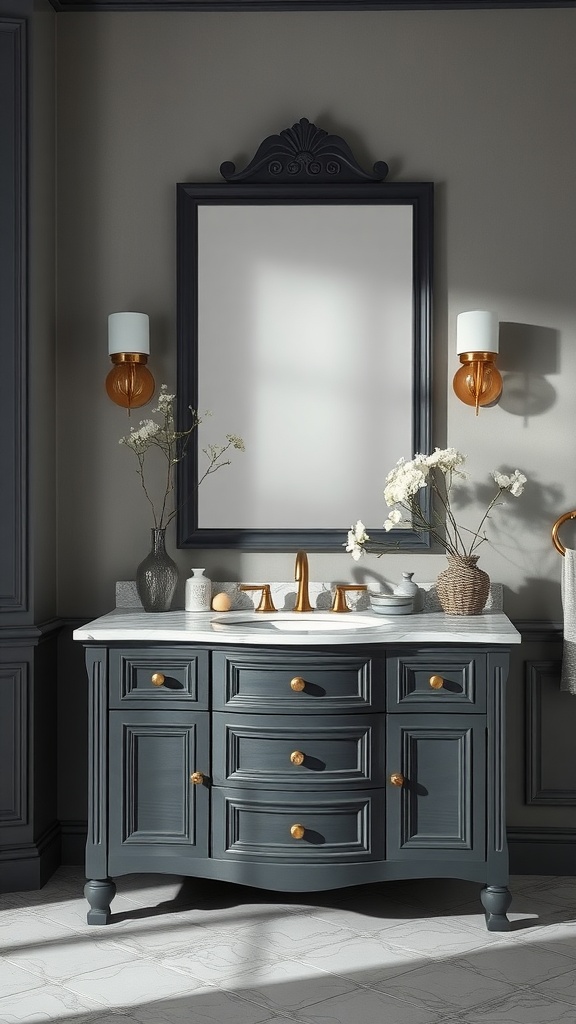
(436, 804)
(157, 811)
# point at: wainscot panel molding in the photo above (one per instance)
(14, 527)
(29, 830)
(550, 766)
(303, 5)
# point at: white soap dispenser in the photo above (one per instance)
(198, 596)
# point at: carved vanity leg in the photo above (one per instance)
(496, 899)
(99, 893)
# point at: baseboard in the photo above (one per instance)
(74, 835)
(30, 865)
(542, 851)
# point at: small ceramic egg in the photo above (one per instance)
(221, 603)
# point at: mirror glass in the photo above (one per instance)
(304, 328)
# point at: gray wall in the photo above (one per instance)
(480, 102)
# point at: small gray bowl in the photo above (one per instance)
(390, 604)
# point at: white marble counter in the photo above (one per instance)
(123, 625)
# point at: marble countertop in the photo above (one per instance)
(122, 624)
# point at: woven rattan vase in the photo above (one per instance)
(463, 588)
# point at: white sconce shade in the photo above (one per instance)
(477, 331)
(128, 332)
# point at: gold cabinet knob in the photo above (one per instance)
(297, 684)
(297, 831)
(158, 679)
(197, 778)
(397, 779)
(297, 757)
(436, 682)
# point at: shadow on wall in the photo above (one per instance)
(547, 590)
(537, 509)
(527, 392)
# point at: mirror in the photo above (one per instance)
(304, 319)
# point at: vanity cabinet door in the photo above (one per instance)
(436, 791)
(157, 809)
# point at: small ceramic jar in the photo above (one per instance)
(407, 588)
(198, 596)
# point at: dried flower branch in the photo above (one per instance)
(173, 445)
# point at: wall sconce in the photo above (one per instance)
(477, 382)
(129, 383)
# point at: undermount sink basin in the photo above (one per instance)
(297, 622)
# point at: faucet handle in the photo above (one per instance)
(266, 602)
(339, 602)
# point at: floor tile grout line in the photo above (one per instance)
(255, 1001)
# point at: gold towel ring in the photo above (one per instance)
(563, 519)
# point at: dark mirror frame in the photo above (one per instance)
(302, 165)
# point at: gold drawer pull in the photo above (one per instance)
(158, 679)
(197, 778)
(436, 682)
(297, 684)
(397, 779)
(297, 757)
(297, 831)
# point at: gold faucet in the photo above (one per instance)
(301, 576)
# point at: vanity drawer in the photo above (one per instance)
(437, 679)
(301, 754)
(298, 682)
(159, 676)
(334, 829)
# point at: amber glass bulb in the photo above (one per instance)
(130, 383)
(477, 382)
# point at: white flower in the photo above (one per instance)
(435, 471)
(357, 537)
(517, 485)
(139, 439)
(164, 400)
(236, 442)
(404, 481)
(514, 483)
(394, 518)
(446, 459)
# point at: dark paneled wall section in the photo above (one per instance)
(29, 831)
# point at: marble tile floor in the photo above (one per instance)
(193, 952)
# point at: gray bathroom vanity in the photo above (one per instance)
(297, 753)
